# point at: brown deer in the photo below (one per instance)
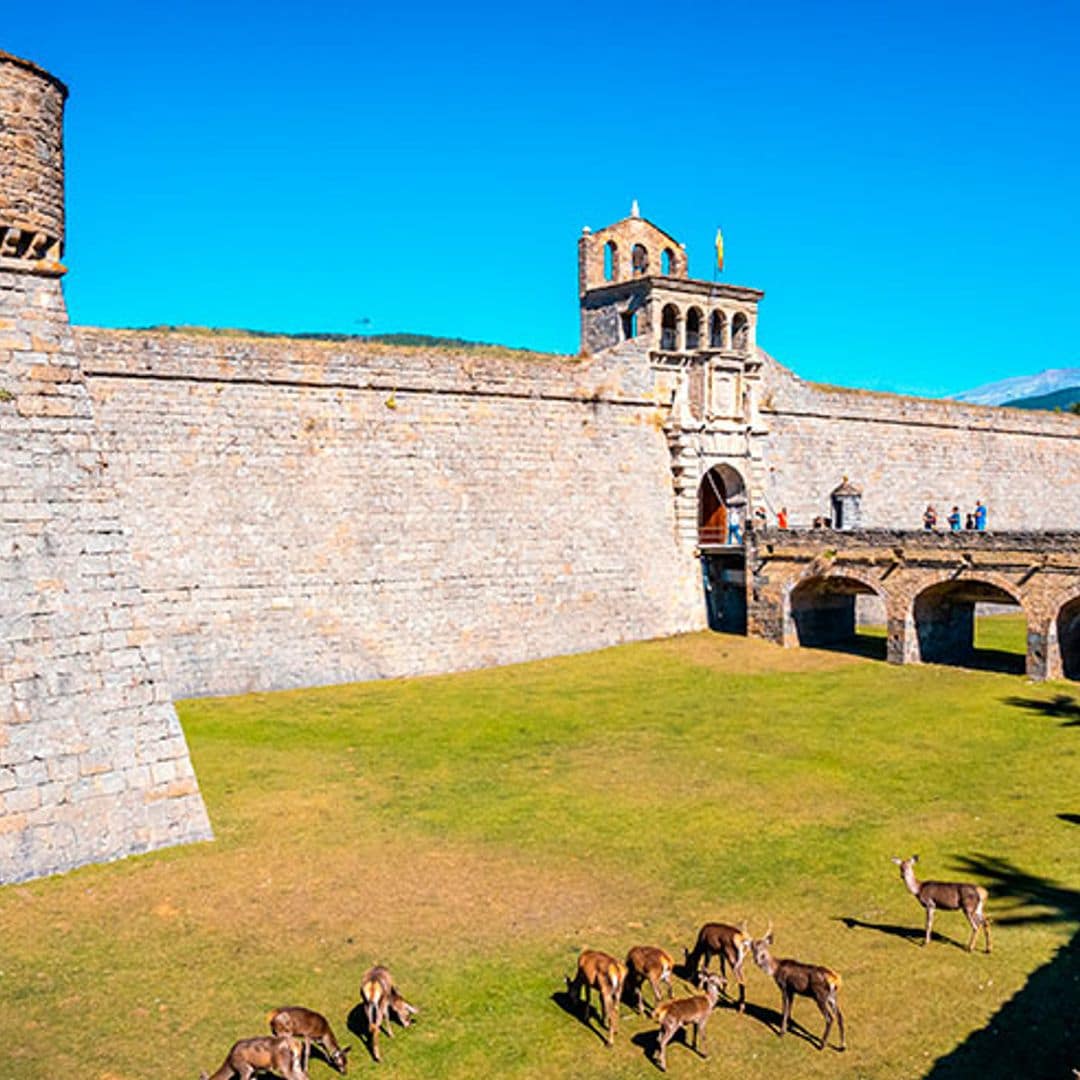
(696, 1010)
(312, 1027)
(646, 962)
(731, 944)
(603, 973)
(266, 1053)
(949, 896)
(380, 998)
(810, 980)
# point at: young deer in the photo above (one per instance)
(380, 997)
(949, 896)
(810, 980)
(696, 1010)
(731, 944)
(267, 1053)
(645, 962)
(312, 1027)
(603, 973)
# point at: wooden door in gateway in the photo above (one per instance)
(712, 515)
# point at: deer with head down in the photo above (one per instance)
(603, 973)
(381, 999)
(312, 1027)
(731, 944)
(682, 1012)
(949, 896)
(266, 1053)
(809, 980)
(648, 963)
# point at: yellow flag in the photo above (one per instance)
(719, 250)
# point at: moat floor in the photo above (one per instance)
(474, 832)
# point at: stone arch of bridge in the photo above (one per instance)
(1067, 625)
(942, 621)
(820, 610)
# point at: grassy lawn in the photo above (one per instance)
(474, 832)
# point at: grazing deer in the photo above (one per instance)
(645, 962)
(810, 980)
(949, 896)
(696, 1010)
(603, 973)
(312, 1027)
(380, 997)
(266, 1053)
(731, 944)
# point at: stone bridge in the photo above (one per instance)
(803, 586)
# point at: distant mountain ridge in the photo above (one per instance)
(1022, 388)
(1059, 399)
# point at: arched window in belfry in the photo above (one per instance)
(667, 261)
(611, 261)
(740, 333)
(639, 260)
(718, 330)
(693, 329)
(669, 328)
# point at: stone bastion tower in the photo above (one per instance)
(93, 763)
(699, 340)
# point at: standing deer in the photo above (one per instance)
(603, 973)
(810, 980)
(731, 944)
(312, 1027)
(949, 896)
(380, 997)
(696, 1010)
(645, 962)
(266, 1053)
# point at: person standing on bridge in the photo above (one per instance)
(929, 518)
(954, 519)
(980, 517)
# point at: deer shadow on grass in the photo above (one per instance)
(357, 1023)
(913, 935)
(573, 1007)
(1036, 1033)
(1061, 707)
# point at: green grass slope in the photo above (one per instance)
(474, 832)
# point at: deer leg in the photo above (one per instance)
(986, 930)
(612, 1008)
(929, 922)
(826, 1011)
(723, 972)
(663, 1038)
(840, 1023)
(741, 1004)
(305, 1054)
(785, 1012)
(699, 1037)
(654, 982)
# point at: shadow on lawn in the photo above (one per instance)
(1061, 707)
(913, 934)
(1036, 1033)
(573, 1006)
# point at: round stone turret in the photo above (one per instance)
(31, 167)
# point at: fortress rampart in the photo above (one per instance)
(188, 514)
(308, 514)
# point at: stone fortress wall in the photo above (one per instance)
(316, 513)
(93, 764)
(905, 453)
(189, 514)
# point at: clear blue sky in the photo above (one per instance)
(901, 179)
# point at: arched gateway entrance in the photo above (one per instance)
(721, 518)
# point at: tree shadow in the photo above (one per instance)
(572, 1007)
(1072, 819)
(1061, 707)
(913, 935)
(1036, 1033)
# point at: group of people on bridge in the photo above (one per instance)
(974, 521)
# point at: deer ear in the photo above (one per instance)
(914, 858)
